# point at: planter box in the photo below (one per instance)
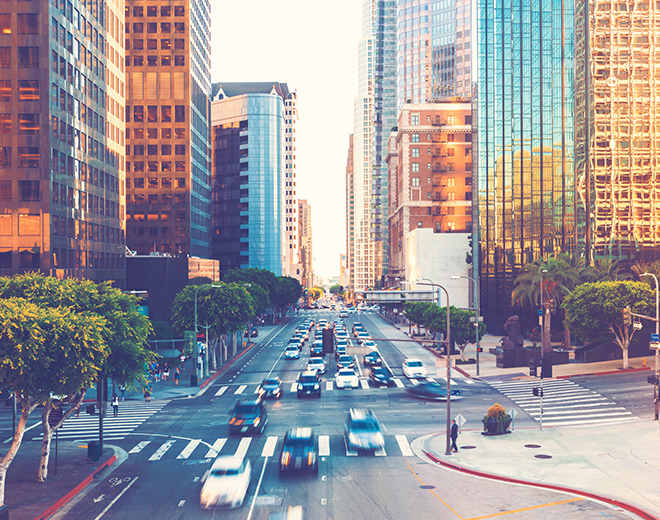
(498, 425)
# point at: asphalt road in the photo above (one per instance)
(168, 455)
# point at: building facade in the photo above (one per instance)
(430, 169)
(293, 264)
(527, 188)
(617, 130)
(61, 137)
(249, 181)
(306, 244)
(167, 149)
(350, 215)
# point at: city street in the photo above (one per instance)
(168, 454)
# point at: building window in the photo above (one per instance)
(28, 258)
(28, 225)
(5, 124)
(180, 114)
(5, 90)
(415, 138)
(28, 191)
(415, 167)
(5, 57)
(414, 119)
(28, 23)
(5, 23)
(179, 10)
(28, 57)
(415, 152)
(414, 181)
(5, 191)
(5, 156)
(28, 90)
(28, 157)
(420, 224)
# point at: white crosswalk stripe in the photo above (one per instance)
(324, 445)
(404, 445)
(329, 385)
(240, 389)
(565, 403)
(215, 449)
(364, 383)
(243, 447)
(398, 382)
(131, 415)
(221, 391)
(189, 449)
(162, 450)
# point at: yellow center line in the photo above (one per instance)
(525, 509)
(434, 493)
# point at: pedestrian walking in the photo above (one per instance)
(122, 389)
(176, 376)
(147, 393)
(454, 435)
(166, 372)
(115, 405)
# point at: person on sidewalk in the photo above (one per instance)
(122, 389)
(147, 393)
(115, 405)
(166, 372)
(454, 435)
(176, 376)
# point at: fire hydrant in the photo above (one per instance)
(644, 362)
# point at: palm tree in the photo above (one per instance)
(548, 282)
(606, 270)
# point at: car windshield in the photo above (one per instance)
(299, 441)
(315, 362)
(270, 382)
(381, 372)
(365, 425)
(346, 373)
(415, 363)
(292, 348)
(345, 359)
(224, 472)
(308, 379)
(246, 409)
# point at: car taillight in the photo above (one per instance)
(310, 458)
(232, 420)
(286, 457)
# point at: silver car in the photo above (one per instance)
(362, 431)
(226, 483)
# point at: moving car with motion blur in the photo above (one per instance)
(381, 376)
(271, 387)
(372, 359)
(226, 483)
(413, 368)
(362, 431)
(300, 451)
(248, 416)
(434, 391)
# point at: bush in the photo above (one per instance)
(496, 410)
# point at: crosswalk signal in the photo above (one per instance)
(652, 380)
(533, 365)
(537, 392)
(627, 317)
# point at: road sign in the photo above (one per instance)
(654, 345)
(637, 325)
(655, 337)
(460, 420)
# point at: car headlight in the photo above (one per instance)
(300, 387)
(316, 386)
(380, 439)
(353, 438)
(257, 421)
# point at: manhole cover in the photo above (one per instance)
(468, 447)
(427, 487)
(532, 446)
(542, 456)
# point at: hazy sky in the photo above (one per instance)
(311, 46)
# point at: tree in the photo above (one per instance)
(416, 313)
(125, 332)
(260, 300)
(594, 311)
(336, 289)
(46, 351)
(287, 291)
(262, 277)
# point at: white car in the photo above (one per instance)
(371, 344)
(346, 377)
(413, 368)
(362, 337)
(316, 364)
(226, 483)
(292, 352)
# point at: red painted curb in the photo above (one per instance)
(62, 501)
(225, 366)
(628, 507)
(606, 373)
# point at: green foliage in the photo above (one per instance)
(415, 311)
(287, 291)
(336, 289)
(161, 327)
(252, 275)
(594, 310)
(558, 282)
(260, 299)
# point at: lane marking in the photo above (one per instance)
(187, 451)
(243, 447)
(222, 390)
(215, 449)
(324, 445)
(116, 498)
(256, 493)
(501, 513)
(404, 445)
(433, 492)
(162, 450)
(269, 447)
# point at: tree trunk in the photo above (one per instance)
(547, 347)
(567, 338)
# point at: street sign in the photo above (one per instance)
(654, 345)
(637, 325)
(540, 312)
(655, 337)
(460, 420)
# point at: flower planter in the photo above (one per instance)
(496, 425)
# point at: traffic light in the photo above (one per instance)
(652, 380)
(627, 317)
(537, 392)
(532, 367)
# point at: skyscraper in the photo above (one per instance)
(167, 127)
(292, 238)
(527, 188)
(249, 181)
(61, 132)
(306, 244)
(350, 215)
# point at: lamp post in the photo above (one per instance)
(448, 347)
(657, 351)
(544, 307)
(198, 368)
(476, 313)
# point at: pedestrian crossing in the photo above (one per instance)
(244, 390)
(264, 446)
(565, 403)
(131, 415)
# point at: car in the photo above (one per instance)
(226, 483)
(372, 359)
(248, 416)
(435, 391)
(271, 386)
(362, 431)
(340, 350)
(300, 451)
(253, 334)
(295, 341)
(346, 377)
(316, 349)
(341, 343)
(413, 368)
(370, 344)
(342, 334)
(316, 364)
(343, 314)
(381, 376)
(345, 361)
(291, 513)
(292, 351)
(357, 327)
(308, 384)
(362, 337)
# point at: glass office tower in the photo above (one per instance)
(527, 189)
(61, 136)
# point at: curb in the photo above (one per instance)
(606, 373)
(88, 480)
(611, 501)
(225, 366)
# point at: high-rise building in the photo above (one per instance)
(249, 181)
(617, 129)
(168, 87)
(527, 188)
(350, 215)
(292, 238)
(374, 115)
(306, 244)
(61, 137)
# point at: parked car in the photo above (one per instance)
(227, 483)
(362, 430)
(346, 377)
(292, 351)
(434, 390)
(381, 376)
(413, 368)
(271, 386)
(309, 384)
(345, 361)
(316, 364)
(248, 416)
(299, 451)
(372, 359)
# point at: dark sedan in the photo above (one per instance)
(433, 390)
(345, 361)
(299, 451)
(372, 359)
(271, 386)
(381, 376)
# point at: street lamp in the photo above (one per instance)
(544, 307)
(197, 365)
(448, 347)
(476, 313)
(657, 351)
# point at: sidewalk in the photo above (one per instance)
(28, 499)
